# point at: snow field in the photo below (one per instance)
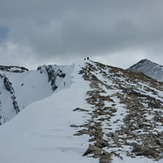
(41, 133)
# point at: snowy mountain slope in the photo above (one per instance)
(20, 88)
(98, 113)
(42, 133)
(149, 68)
(127, 116)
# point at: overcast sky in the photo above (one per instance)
(115, 32)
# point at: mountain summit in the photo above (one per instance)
(86, 112)
(149, 68)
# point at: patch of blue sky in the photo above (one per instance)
(3, 33)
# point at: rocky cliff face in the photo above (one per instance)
(10, 89)
(149, 68)
(9, 106)
(52, 74)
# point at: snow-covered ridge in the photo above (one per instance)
(149, 68)
(106, 114)
(13, 69)
(127, 115)
(20, 87)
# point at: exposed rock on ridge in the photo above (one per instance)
(127, 114)
(15, 69)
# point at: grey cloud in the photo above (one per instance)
(75, 28)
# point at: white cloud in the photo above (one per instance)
(13, 54)
(123, 59)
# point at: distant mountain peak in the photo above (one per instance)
(144, 60)
(149, 68)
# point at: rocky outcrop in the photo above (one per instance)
(52, 74)
(9, 88)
